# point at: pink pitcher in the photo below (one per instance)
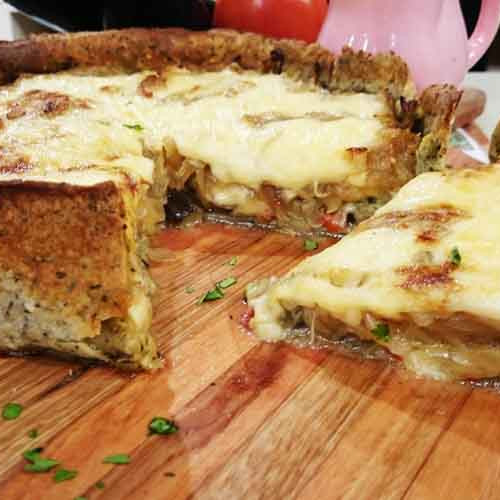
(429, 34)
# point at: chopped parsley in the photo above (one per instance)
(134, 126)
(455, 256)
(64, 475)
(118, 459)
(310, 245)
(381, 331)
(11, 411)
(211, 295)
(190, 289)
(38, 463)
(217, 293)
(233, 261)
(160, 425)
(33, 433)
(31, 455)
(99, 485)
(226, 283)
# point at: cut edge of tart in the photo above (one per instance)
(74, 278)
(103, 119)
(419, 279)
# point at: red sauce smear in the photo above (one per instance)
(246, 317)
(332, 223)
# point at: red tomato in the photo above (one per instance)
(301, 19)
(332, 223)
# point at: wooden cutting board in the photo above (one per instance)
(256, 421)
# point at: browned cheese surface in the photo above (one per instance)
(257, 421)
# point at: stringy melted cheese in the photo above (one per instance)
(250, 128)
(393, 272)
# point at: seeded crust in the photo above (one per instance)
(495, 145)
(136, 49)
(44, 270)
(66, 277)
(94, 216)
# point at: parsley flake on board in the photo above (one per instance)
(38, 463)
(41, 465)
(381, 331)
(134, 126)
(217, 293)
(80, 498)
(455, 256)
(33, 433)
(211, 295)
(31, 455)
(190, 289)
(310, 245)
(118, 459)
(11, 411)
(233, 261)
(64, 475)
(100, 485)
(160, 425)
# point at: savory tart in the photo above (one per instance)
(95, 127)
(420, 278)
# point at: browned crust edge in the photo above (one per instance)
(135, 49)
(495, 145)
(437, 107)
(439, 103)
(46, 228)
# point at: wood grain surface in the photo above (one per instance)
(257, 421)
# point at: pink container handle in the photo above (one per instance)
(487, 26)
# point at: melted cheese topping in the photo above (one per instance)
(398, 267)
(250, 128)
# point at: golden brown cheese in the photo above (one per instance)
(422, 278)
(88, 125)
(239, 131)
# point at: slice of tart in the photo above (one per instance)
(73, 278)
(96, 126)
(420, 278)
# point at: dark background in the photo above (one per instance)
(470, 9)
(195, 14)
